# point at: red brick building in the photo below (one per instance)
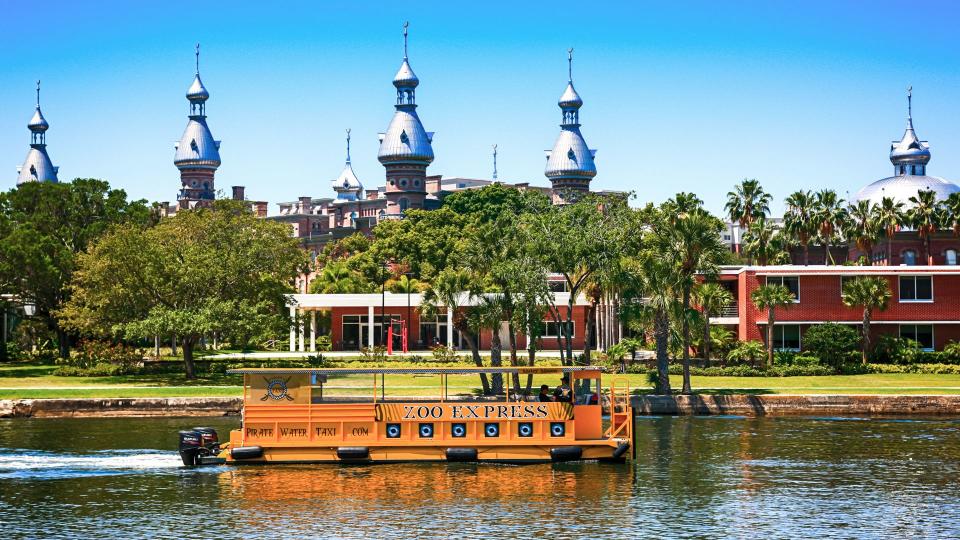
(925, 305)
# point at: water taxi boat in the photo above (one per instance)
(288, 419)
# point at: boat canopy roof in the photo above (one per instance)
(418, 371)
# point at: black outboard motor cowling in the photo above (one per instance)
(208, 439)
(190, 446)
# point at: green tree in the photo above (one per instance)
(219, 269)
(693, 246)
(336, 277)
(712, 298)
(890, 217)
(829, 216)
(871, 294)
(44, 227)
(765, 244)
(770, 298)
(747, 203)
(799, 220)
(863, 227)
(951, 208)
(925, 217)
(830, 342)
(578, 241)
(451, 289)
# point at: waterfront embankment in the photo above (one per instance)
(697, 404)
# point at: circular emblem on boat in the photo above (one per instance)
(492, 430)
(525, 429)
(557, 429)
(393, 431)
(426, 431)
(458, 430)
(277, 389)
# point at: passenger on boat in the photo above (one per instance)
(563, 392)
(544, 393)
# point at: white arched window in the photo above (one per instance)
(910, 257)
(951, 256)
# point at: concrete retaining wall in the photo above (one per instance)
(173, 406)
(782, 404)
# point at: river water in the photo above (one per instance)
(706, 477)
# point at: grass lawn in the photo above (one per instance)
(36, 381)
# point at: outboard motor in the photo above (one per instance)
(190, 446)
(208, 439)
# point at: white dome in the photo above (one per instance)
(901, 188)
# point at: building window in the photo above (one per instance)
(951, 257)
(551, 329)
(404, 204)
(792, 283)
(921, 333)
(916, 288)
(910, 257)
(557, 286)
(786, 337)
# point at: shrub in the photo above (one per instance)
(324, 343)
(92, 353)
(374, 354)
(926, 369)
(747, 351)
(951, 351)
(102, 369)
(831, 342)
(895, 350)
(442, 353)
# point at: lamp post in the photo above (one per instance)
(409, 315)
(383, 304)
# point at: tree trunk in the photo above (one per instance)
(475, 353)
(496, 360)
(926, 248)
(661, 331)
(866, 334)
(889, 250)
(685, 325)
(568, 327)
(513, 356)
(770, 320)
(806, 253)
(173, 346)
(188, 357)
(587, 329)
(63, 342)
(3, 334)
(706, 339)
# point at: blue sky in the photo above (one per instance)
(690, 96)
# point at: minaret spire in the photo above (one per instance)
(198, 58)
(37, 167)
(570, 65)
(910, 104)
(406, 25)
(494, 162)
(348, 146)
(38, 93)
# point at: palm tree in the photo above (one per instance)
(829, 217)
(764, 243)
(890, 218)
(656, 283)
(869, 293)
(799, 220)
(771, 297)
(863, 227)
(925, 216)
(404, 285)
(693, 246)
(337, 278)
(747, 203)
(447, 292)
(712, 299)
(951, 208)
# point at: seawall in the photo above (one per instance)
(746, 405)
(807, 404)
(102, 407)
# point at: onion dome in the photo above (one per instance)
(347, 185)
(909, 150)
(197, 93)
(37, 166)
(570, 157)
(405, 139)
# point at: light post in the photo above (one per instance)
(409, 315)
(383, 304)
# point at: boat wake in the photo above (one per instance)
(20, 463)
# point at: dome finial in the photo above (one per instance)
(406, 25)
(494, 162)
(348, 145)
(910, 103)
(38, 93)
(198, 58)
(570, 64)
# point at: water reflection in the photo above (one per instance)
(705, 477)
